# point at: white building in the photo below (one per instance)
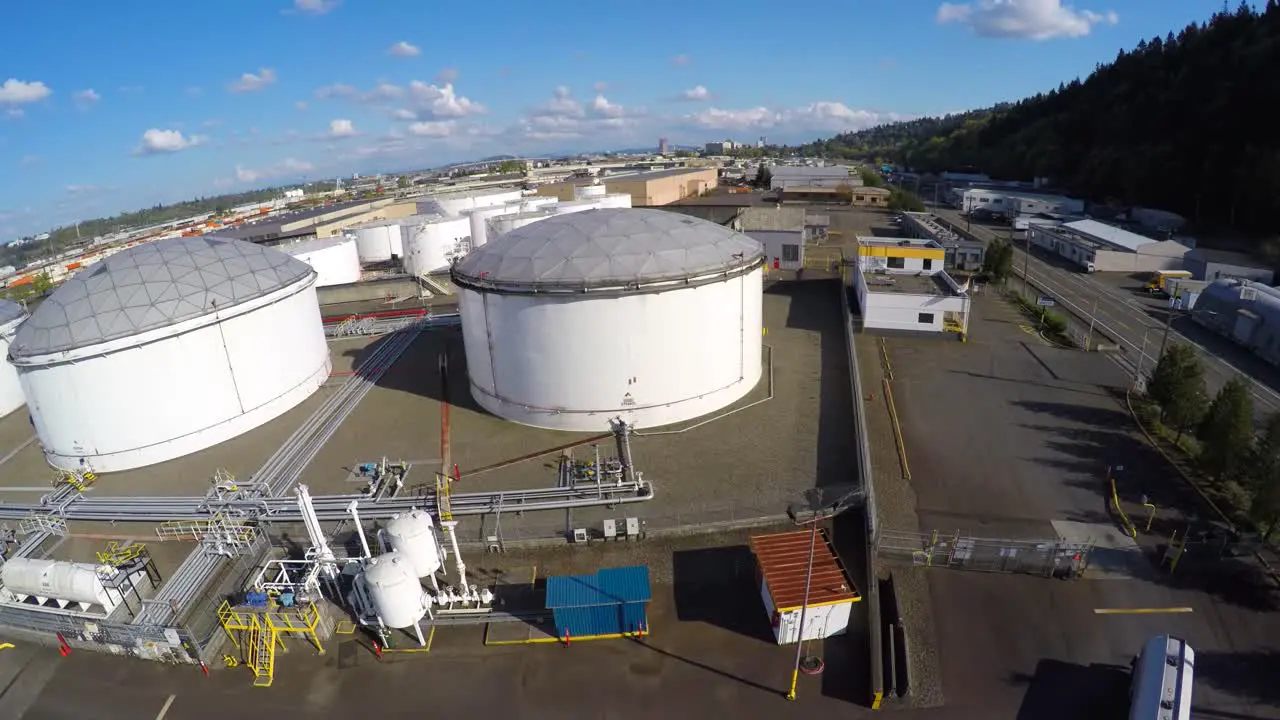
(1011, 203)
(168, 348)
(901, 285)
(783, 177)
(544, 306)
(1098, 247)
(782, 564)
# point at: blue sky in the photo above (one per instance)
(113, 106)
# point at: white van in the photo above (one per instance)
(1162, 677)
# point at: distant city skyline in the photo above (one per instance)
(145, 104)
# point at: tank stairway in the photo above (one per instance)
(257, 633)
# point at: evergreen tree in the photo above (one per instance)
(1226, 431)
(1264, 483)
(1177, 386)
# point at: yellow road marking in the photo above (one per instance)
(1141, 611)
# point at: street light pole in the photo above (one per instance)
(1093, 317)
(1026, 260)
(804, 606)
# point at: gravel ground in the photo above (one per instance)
(896, 510)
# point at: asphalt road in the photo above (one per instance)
(1136, 324)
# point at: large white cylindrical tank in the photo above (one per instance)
(74, 582)
(576, 206)
(537, 202)
(378, 241)
(503, 224)
(615, 200)
(394, 590)
(168, 348)
(585, 192)
(11, 398)
(480, 221)
(432, 245)
(410, 534)
(335, 260)
(459, 203)
(676, 301)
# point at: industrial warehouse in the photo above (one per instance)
(236, 401)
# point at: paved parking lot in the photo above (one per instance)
(1004, 435)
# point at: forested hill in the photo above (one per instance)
(887, 141)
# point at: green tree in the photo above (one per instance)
(1226, 431)
(1264, 485)
(905, 201)
(763, 177)
(403, 182)
(41, 284)
(511, 166)
(998, 262)
(1177, 386)
(871, 178)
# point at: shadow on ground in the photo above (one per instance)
(717, 586)
(814, 306)
(1066, 691)
(1249, 676)
(417, 371)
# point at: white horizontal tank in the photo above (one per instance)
(394, 590)
(503, 224)
(335, 260)
(479, 219)
(685, 295)
(411, 535)
(11, 398)
(431, 245)
(167, 348)
(71, 582)
(378, 240)
(584, 192)
(615, 200)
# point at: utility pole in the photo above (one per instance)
(1168, 321)
(1093, 317)
(804, 605)
(1026, 259)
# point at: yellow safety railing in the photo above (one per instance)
(263, 630)
(1125, 523)
(118, 554)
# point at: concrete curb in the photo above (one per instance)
(1128, 402)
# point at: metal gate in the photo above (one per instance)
(1047, 557)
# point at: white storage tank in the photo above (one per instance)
(394, 590)
(410, 534)
(11, 398)
(454, 204)
(168, 348)
(576, 206)
(480, 221)
(67, 581)
(585, 192)
(432, 244)
(537, 202)
(615, 200)
(378, 240)
(335, 260)
(503, 224)
(685, 295)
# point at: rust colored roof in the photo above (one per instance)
(783, 559)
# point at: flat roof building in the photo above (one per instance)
(647, 189)
(783, 177)
(1098, 247)
(1208, 264)
(901, 285)
(960, 253)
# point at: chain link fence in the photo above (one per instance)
(1048, 557)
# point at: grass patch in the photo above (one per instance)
(1053, 325)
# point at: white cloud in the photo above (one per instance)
(434, 102)
(156, 141)
(697, 93)
(404, 49)
(300, 105)
(251, 82)
(80, 189)
(315, 7)
(383, 92)
(1025, 19)
(337, 90)
(446, 76)
(564, 117)
(434, 128)
(15, 113)
(17, 92)
(681, 60)
(85, 99)
(827, 116)
(341, 128)
(284, 168)
(561, 104)
(602, 107)
(600, 86)
(404, 114)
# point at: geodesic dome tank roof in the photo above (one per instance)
(153, 286)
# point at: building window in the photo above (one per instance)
(927, 263)
(897, 263)
(790, 253)
(925, 319)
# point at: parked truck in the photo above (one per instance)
(1160, 279)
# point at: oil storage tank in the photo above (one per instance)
(503, 224)
(648, 315)
(615, 200)
(431, 244)
(394, 591)
(412, 535)
(11, 398)
(335, 260)
(453, 204)
(168, 348)
(378, 240)
(480, 221)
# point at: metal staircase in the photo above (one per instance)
(261, 629)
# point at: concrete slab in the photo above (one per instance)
(1114, 555)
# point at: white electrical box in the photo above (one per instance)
(579, 535)
(610, 529)
(633, 527)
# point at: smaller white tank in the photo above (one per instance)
(480, 221)
(67, 581)
(335, 260)
(536, 202)
(432, 244)
(11, 396)
(378, 241)
(410, 534)
(584, 192)
(503, 224)
(394, 590)
(574, 206)
(615, 200)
